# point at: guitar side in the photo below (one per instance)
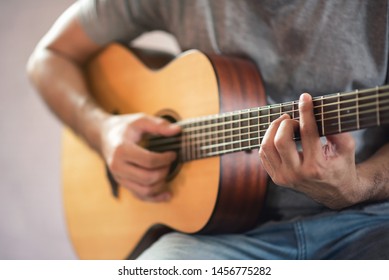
(102, 226)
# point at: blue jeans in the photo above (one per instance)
(349, 234)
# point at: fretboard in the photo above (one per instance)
(244, 129)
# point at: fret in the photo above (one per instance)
(214, 133)
(384, 107)
(347, 111)
(237, 137)
(239, 131)
(357, 108)
(260, 126)
(193, 139)
(202, 139)
(331, 115)
(367, 109)
(184, 144)
(264, 120)
(323, 132)
(377, 91)
(339, 119)
(287, 108)
(206, 137)
(244, 130)
(295, 110)
(220, 135)
(293, 114)
(282, 109)
(274, 112)
(254, 127)
(319, 114)
(197, 134)
(191, 142)
(227, 139)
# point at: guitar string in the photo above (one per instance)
(202, 128)
(269, 108)
(249, 147)
(178, 144)
(193, 142)
(161, 140)
(381, 91)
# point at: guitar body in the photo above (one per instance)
(210, 195)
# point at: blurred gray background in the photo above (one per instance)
(32, 223)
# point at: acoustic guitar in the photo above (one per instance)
(218, 184)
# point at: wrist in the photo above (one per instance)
(373, 182)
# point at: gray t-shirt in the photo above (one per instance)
(319, 47)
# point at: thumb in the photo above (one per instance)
(343, 142)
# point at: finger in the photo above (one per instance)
(310, 139)
(145, 177)
(146, 159)
(155, 125)
(285, 144)
(156, 193)
(268, 152)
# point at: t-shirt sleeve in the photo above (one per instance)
(105, 21)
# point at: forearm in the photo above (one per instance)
(374, 175)
(61, 83)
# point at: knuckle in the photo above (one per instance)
(142, 192)
(153, 178)
(161, 121)
(279, 142)
(171, 156)
(147, 180)
(136, 119)
(265, 147)
(287, 179)
(280, 180)
(261, 154)
(147, 191)
(314, 172)
(158, 176)
(150, 160)
(350, 144)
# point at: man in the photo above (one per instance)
(324, 201)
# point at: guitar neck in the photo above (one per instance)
(244, 130)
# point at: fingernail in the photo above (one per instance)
(285, 116)
(174, 126)
(305, 97)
